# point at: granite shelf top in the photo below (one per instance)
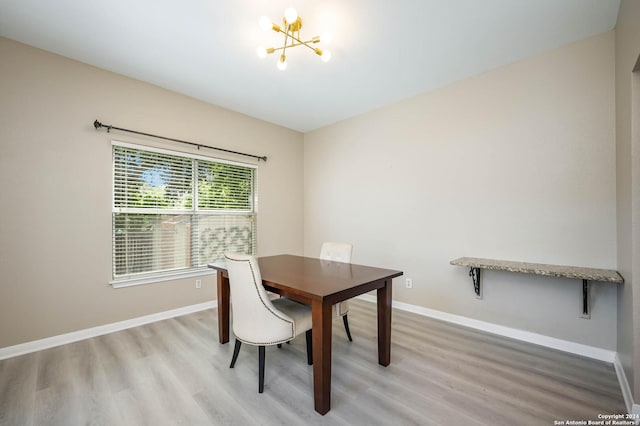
(591, 274)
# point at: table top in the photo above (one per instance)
(578, 272)
(316, 278)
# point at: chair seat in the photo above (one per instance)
(341, 308)
(298, 312)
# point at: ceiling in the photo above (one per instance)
(382, 51)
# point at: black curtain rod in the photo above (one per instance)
(98, 125)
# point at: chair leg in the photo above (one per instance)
(346, 326)
(236, 351)
(309, 337)
(260, 369)
(280, 345)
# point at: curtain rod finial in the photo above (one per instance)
(97, 124)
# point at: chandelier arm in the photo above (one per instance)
(300, 42)
(289, 34)
(286, 35)
(304, 43)
(280, 30)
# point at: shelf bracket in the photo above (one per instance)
(585, 300)
(474, 273)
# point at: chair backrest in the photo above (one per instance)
(338, 252)
(255, 320)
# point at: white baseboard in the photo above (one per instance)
(63, 339)
(624, 387)
(527, 336)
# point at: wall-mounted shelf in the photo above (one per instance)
(575, 272)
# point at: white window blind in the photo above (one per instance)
(173, 212)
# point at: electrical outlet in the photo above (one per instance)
(409, 283)
(198, 283)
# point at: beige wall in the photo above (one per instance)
(628, 185)
(55, 172)
(517, 163)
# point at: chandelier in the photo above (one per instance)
(291, 31)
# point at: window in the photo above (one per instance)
(175, 212)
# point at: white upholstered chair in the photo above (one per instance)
(339, 252)
(257, 320)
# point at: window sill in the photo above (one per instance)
(150, 279)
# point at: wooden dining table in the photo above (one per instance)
(321, 284)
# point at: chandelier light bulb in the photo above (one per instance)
(326, 38)
(262, 52)
(326, 56)
(282, 63)
(290, 15)
(265, 23)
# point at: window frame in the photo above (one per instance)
(193, 271)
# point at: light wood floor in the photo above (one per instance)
(175, 372)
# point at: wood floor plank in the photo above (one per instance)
(175, 372)
(58, 405)
(53, 368)
(129, 409)
(505, 381)
(97, 406)
(18, 379)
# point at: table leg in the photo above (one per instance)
(384, 323)
(223, 308)
(322, 316)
